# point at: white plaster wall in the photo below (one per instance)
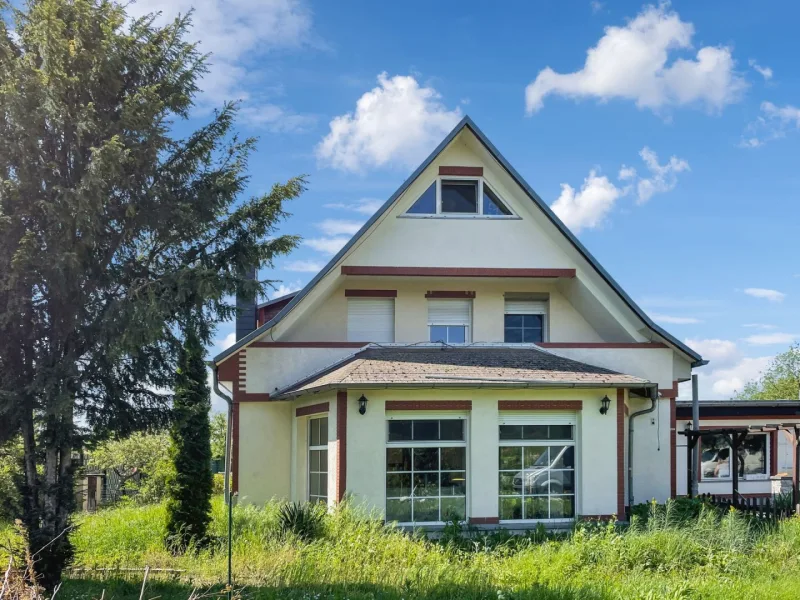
(651, 452)
(653, 364)
(264, 451)
(269, 369)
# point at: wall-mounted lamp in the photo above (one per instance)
(362, 404)
(605, 402)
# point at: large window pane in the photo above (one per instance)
(426, 203)
(560, 432)
(510, 457)
(426, 459)
(459, 196)
(398, 510)
(426, 431)
(563, 457)
(535, 456)
(454, 459)
(454, 508)
(318, 460)
(507, 483)
(562, 507)
(451, 430)
(454, 484)
(426, 509)
(511, 508)
(534, 432)
(753, 455)
(456, 334)
(426, 484)
(398, 459)
(438, 333)
(510, 432)
(537, 507)
(398, 485)
(399, 431)
(715, 457)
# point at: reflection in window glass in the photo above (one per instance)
(426, 204)
(715, 456)
(460, 196)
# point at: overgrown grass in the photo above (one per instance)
(668, 556)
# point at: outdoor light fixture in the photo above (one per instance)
(362, 404)
(605, 403)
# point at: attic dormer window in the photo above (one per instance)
(459, 197)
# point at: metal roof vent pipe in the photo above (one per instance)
(246, 310)
(653, 403)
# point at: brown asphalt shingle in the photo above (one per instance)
(410, 365)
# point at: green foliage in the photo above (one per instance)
(219, 429)
(675, 512)
(142, 463)
(302, 520)
(112, 231)
(10, 473)
(191, 486)
(219, 483)
(781, 380)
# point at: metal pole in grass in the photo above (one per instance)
(231, 496)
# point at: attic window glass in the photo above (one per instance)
(460, 196)
(425, 204)
(492, 205)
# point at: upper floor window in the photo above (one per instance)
(370, 319)
(450, 321)
(460, 196)
(525, 321)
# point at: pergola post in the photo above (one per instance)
(691, 444)
(796, 471)
(733, 460)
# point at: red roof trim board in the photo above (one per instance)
(540, 405)
(461, 171)
(428, 405)
(312, 409)
(378, 271)
(370, 293)
(446, 294)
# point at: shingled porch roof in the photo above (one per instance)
(452, 366)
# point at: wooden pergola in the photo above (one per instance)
(735, 437)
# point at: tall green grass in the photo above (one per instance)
(710, 555)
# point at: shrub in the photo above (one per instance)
(302, 520)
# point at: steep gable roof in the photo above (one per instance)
(467, 123)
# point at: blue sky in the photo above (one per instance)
(667, 136)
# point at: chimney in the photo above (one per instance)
(246, 310)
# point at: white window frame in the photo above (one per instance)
(479, 215)
(745, 477)
(311, 448)
(545, 317)
(426, 416)
(510, 418)
(467, 325)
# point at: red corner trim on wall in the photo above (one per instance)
(773, 452)
(670, 392)
(428, 405)
(444, 294)
(620, 454)
(484, 520)
(615, 345)
(341, 442)
(461, 171)
(673, 449)
(312, 409)
(540, 405)
(456, 272)
(370, 293)
(229, 369)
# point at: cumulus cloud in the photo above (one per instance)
(721, 353)
(286, 288)
(765, 339)
(773, 123)
(633, 62)
(758, 326)
(767, 294)
(394, 124)
(326, 245)
(724, 383)
(304, 266)
(765, 72)
(240, 34)
(663, 178)
(365, 206)
(728, 371)
(334, 227)
(676, 320)
(588, 207)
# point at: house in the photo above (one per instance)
(767, 454)
(463, 356)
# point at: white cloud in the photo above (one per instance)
(394, 124)
(240, 34)
(663, 177)
(334, 227)
(626, 173)
(304, 266)
(721, 353)
(589, 207)
(676, 320)
(365, 206)
(327, 245)
(596, 6)
(286, 288)
(773, 123)
(725, 383)
(765, 72)
(758, 326)
(631, 62)
(765, 339)
(771, 295)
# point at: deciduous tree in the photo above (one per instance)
(781, 380)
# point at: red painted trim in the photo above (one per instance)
(444, 294)
(773, 453)
(540, 405)
(229, 369)
(461, 171)
(670, 392)
(673, 451)
(484, 520)
(341, 442)
(312, 409)
(428, 405)
(370, 293)
(620, 454)
(616, 345)
(456, 272)
(308, 344)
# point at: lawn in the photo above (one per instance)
(710, 556)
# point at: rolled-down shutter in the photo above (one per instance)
(449, 312)
(526, 307)
(370, 319)
(538, 417)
